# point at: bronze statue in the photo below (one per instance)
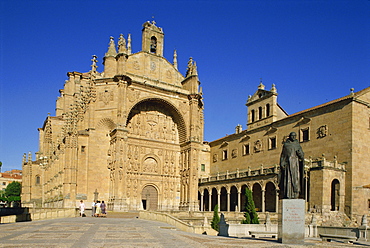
(291, 168)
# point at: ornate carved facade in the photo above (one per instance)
(131, 135)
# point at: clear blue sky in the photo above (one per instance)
(314, 51)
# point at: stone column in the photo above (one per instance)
(277, 201)
(263, 201)
(210, 201)
(201, 201)
(228, 201)
(219, 199)
(239, 201)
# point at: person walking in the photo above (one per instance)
(103, 209)
(98, 209)
(82, 208)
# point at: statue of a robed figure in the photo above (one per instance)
(291, 168)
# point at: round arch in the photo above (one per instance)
(149, 197)
(270, 197)
(161, 105)
(257, 196)
(335, 187)
(223, 199)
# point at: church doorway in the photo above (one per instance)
(149, 198)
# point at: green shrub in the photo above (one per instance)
(251, 216)
(216, 219)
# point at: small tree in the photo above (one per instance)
(13, 192)
(216, 219)
(251, 216)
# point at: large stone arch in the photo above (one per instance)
(163, 106)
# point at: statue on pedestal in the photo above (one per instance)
(291, 168)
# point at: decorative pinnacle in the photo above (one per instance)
(175, 59)
(273, 89)
(111, 49)
(261, 86)
(129, 44)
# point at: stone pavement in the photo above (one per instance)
(124, 230)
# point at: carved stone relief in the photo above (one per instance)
(215, 157)
(150, 165)
(322, 131)
(153, 124)
(106, 96)
(257, 146)
(234, 153)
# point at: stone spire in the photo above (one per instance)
(111, 49)
(175, 59)
(129, 44)
(122, 44)
(94, 66)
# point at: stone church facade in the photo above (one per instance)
(132, 136)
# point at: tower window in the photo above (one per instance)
(37, 180)
(203, 167)
(253, 115)
(260, 113)
(267, 110)
(153, 44)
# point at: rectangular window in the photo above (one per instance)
(83, 148)
(224, 154)
(246, 150)
(305, 135)
(4, 183)
(203, 167)
(272, 143)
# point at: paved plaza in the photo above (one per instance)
(125, 230)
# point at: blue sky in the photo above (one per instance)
(313, 51)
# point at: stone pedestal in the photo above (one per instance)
(291, 229)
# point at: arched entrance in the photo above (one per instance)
(257, 196)
(223, 199)
(233, 198)
(335, 195)
(243, 199)
(270, 197)
(206, 200)
(149, 198)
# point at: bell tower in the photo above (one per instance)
(152, 39)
